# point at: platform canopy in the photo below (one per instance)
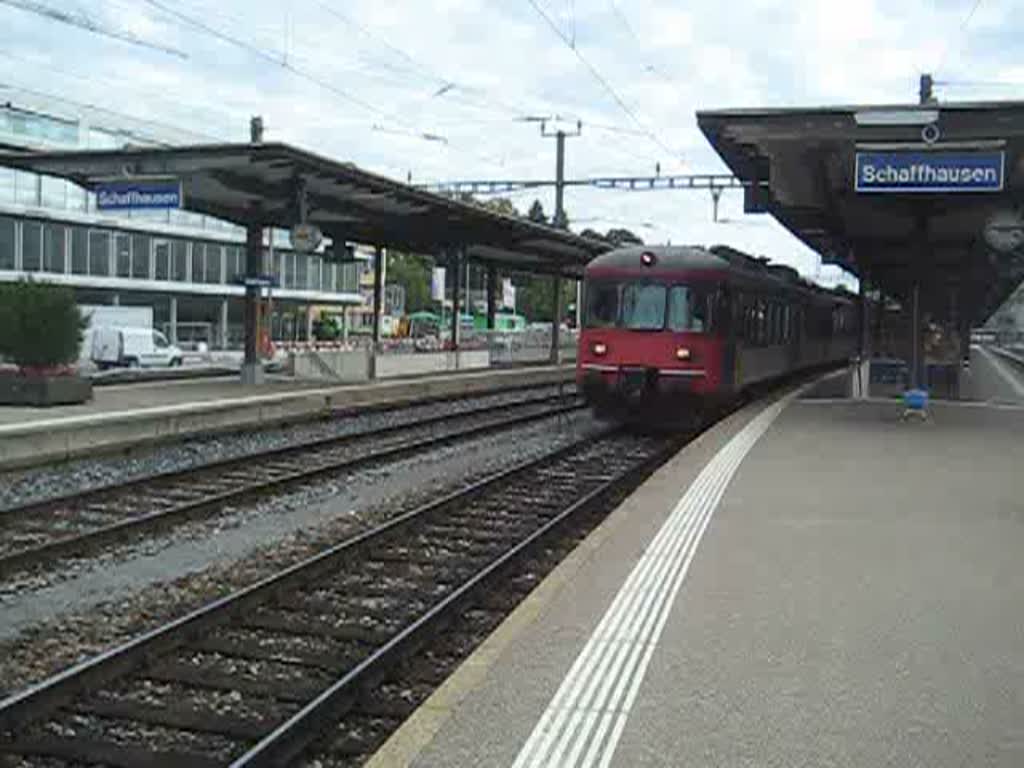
(893, 193)
(263, 183)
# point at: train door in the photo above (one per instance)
(791, 333)
(728, 318)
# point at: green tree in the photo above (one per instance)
(412, 272)
(592, 234)
(41, 326)
(536, 213)
(560, 220)
(621, 237)
(535, 297)
(501, 205)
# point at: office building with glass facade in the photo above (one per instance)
(185, 265)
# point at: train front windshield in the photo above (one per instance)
(645, 306)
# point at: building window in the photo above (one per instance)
(279, 268)
(162, 259)
(99, 253)
(123, 250)
(140, 257)
(31, 246)
(235, 270)
(54, 192)
(6, 243)
(214, 262)
(315, 265)
(6, 185)
(53, 248)
(76, 198)
(179, 251)
(26, 188)
(79, 251)
(198, 262)
(291, 280)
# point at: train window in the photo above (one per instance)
(643, 306)
(602, 305)
(762, 321)
(687, 309)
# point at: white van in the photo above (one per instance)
(133, 348)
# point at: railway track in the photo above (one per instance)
(255, 679)
(41, 533)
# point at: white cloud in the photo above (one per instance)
(666, 60)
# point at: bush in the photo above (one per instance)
(40, 324)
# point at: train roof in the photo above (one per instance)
(668, 257)
(717, 257)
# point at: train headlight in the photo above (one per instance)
(599, 348)
(648, 259)
(682, 353)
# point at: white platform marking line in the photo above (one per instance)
(626, 661)
(1002, 369)
(642, 605)
(641, 652)
(679, 523)
(562, 703)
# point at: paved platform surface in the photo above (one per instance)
(126, 397)
(131, 414)
(993, 378)
(849, 592)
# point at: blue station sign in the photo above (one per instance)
(130, 195)
(914, 172)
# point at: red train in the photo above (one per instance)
(668, 331)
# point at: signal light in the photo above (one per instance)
(683, 353)
(648, 259)
(599, 349)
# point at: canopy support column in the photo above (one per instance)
(456, 307)
(556, 317)
(252, 369)
(378, 300)
(492, 287)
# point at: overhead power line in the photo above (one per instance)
(259, 52)
(959, 34)
(601, 79)
(308, 76)
(641, 45)
(82, 21)
(694, 181)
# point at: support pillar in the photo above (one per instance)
(917, 378)
(916, 347)
(556, 318)
(492, 287)
(172, 315)
(579, 305)
(223, 331)
(862, 373)
(252, 369)
(378, 300)
(456, 305)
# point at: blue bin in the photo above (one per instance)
(915, 399)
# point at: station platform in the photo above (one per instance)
(813, 582)
(139, 413)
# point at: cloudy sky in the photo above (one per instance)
(367, 80)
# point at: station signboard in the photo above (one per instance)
(437, 277)
(929, 172)
(139, 194)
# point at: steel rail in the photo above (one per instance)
(47, 553)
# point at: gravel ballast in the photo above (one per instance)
(48, 622)
(38, 483)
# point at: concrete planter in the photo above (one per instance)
(43, 390)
